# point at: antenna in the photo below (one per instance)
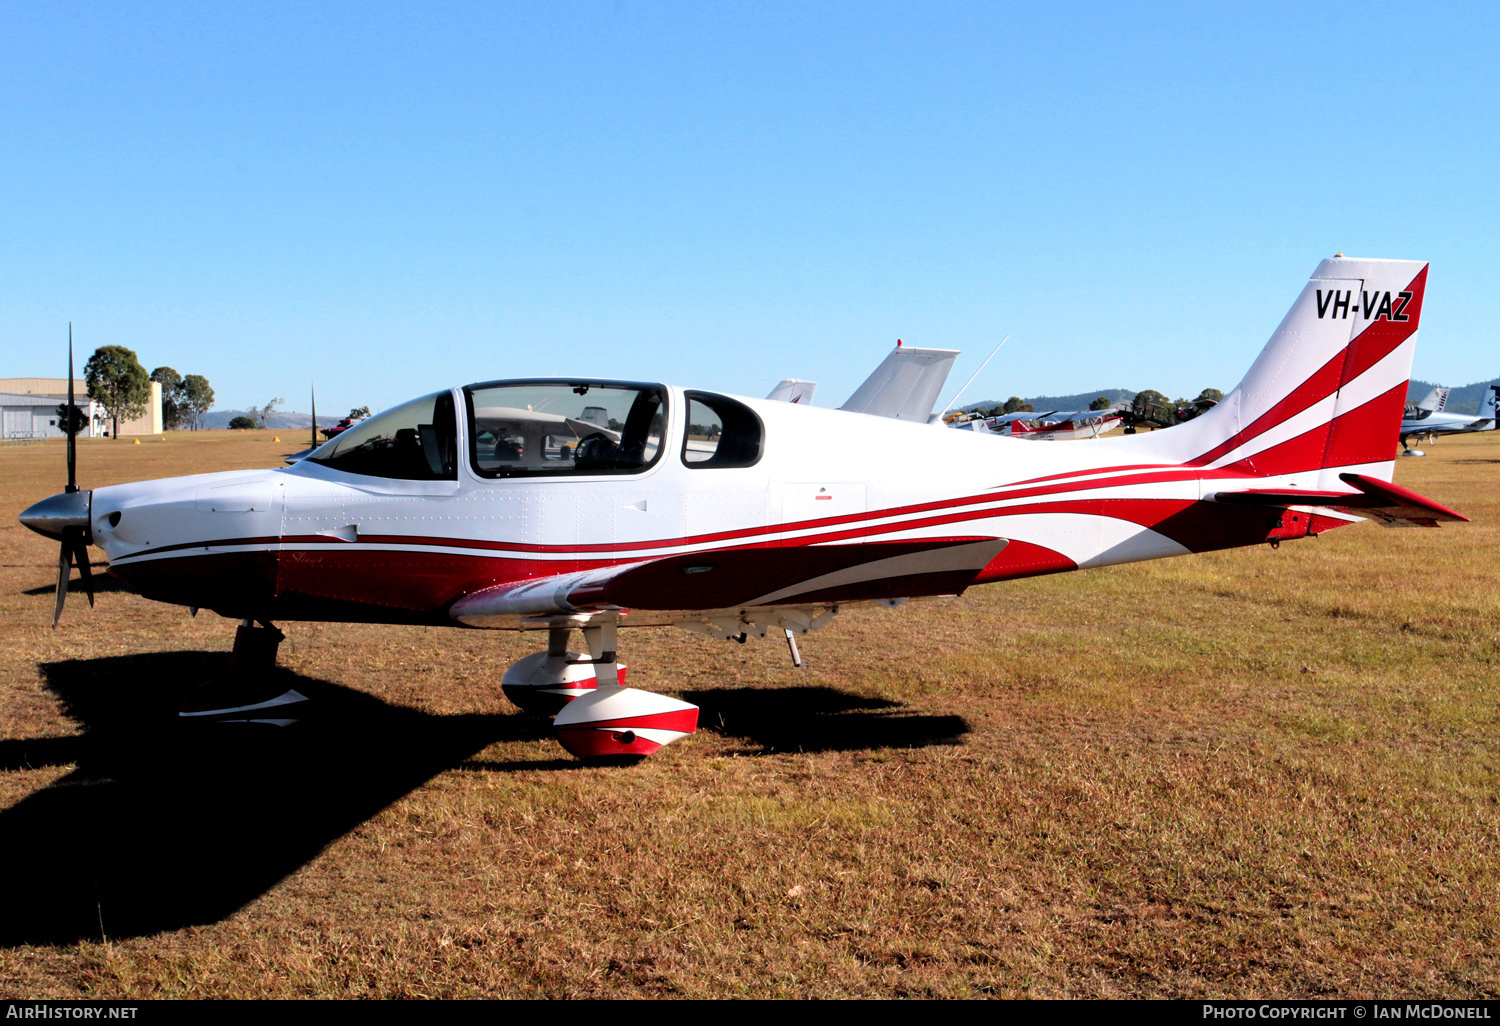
(966, 384)
(314, 442)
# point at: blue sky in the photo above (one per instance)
(387, 199)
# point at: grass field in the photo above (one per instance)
(1248, 774)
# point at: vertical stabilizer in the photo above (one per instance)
(1436, 400)
(1327, 393)
(794, 390)
(906, 384)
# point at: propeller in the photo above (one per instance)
(66, 516)
(75, 545)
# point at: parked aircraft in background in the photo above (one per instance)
(1049, 425)
(1431, 420)
(794, 390)
(578, 504)
(1070, 425)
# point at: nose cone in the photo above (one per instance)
(66, 509)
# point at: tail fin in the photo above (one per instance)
(905, 385)
(1327, 393)
(794, 390)
(1488, 406)
(1435, 400)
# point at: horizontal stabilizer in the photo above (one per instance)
(1389, 503)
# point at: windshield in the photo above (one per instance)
(416, 441)
(563, 427)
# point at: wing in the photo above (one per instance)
(1391, 504)
(734, 580)
(1006, 418)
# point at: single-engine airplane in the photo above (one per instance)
(1431, 419)
(1058, 425)
(581, 504)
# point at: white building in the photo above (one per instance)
(28, 400)
(36, 416)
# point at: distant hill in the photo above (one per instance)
(289, 421)
(1463, 399)
(1080, 401)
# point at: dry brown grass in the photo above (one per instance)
(1246, 774)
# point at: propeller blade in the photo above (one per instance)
(74, 548)
(314, 442)
(81, 559)
(69, 428)
(62, 583)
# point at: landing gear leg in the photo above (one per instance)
(248, 693)
(544, 682)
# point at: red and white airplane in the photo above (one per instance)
(591, 505)
(1064, 426)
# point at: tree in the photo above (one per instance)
(260, 413)
(118, 382)
(174, 412)
(197, 397)
(241, 424)
(1101, 403)
(359, 413)
(80, 419)
(1015, 404)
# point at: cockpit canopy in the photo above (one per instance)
(564, 427)
(548, 427)
(416, 441)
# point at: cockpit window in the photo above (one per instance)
(562, 427)
(721, 432)
(416, 441)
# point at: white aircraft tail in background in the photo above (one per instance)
(1436, 400)
(794, 390)
(906, 384)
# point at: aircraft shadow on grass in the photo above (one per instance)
(102, 583)
(819, 719)
(163, 825)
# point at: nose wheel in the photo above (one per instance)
(248, 693)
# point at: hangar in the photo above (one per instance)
(28, 409)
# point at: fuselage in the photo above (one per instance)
(1441, 423)
(312, 541)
